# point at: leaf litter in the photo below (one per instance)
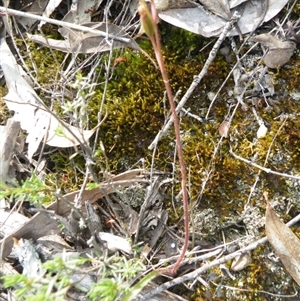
(152, 212)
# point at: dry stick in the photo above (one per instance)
(14, 12)
(197, 79)
(267, 170)
(158, 53)
(196, 273)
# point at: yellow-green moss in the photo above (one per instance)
(135, 103)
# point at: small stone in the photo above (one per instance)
(262, 131)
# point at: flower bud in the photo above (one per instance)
(146, 19)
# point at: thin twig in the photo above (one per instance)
(100, 33)
(267, 170)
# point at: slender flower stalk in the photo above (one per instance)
(149, 23)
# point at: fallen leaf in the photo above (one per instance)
(208, 23)
(241, 262)
(224, 128)
(77, 13)
(31, 112)
(36, 7)
(51, 6)
(34, 117)
(113, 184)
(218, 7)
(68, 135)
(284, 242)
(87, 42)
(279, 52)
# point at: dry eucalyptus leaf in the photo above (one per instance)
(61, 45)
(51, 6)
(54, 241)
(86, 42)
(113, 184)
(284, 242)
(199, 20)
(61, 134)
(30, 6)
(269, 41)
(77, 13)
(208, 23)
(276, 58)
(31, 112)
(217, 7)
(279, 52)
(169, 4)
(274, 7)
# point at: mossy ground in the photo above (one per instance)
(136, 109)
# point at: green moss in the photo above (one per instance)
(134, 100)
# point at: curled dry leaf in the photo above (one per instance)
(284, 242)
(279, 52)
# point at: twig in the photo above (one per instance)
(267, 170)
(17, 13)
(256, 291)
(196, 80)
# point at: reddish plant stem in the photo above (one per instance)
(158, 53)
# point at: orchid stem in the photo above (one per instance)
(155, 40)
